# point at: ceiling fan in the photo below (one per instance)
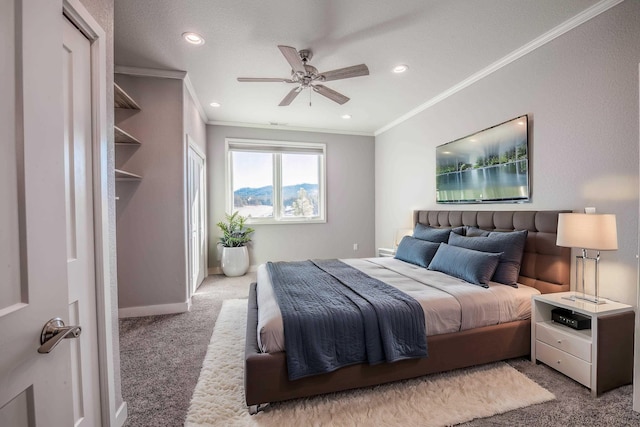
(306, 76)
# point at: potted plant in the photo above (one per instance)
(235, 236)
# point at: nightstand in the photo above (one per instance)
(386, 252)
(600, 358)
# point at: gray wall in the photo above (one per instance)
(350, 199)
(150, 213)
(581, 92)
(194, 125)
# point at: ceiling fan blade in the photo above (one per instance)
(264, 79)
(293, 58)
(290, 96)
(346, 73)
(331, 94)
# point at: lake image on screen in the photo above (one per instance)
(491, 165)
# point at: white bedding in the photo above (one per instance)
(449, 304)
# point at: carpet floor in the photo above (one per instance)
(162, 356)
(431, 401)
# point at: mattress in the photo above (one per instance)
(449, 304)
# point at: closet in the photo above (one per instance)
(151, 172)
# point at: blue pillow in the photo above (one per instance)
(511, 244)
(472, 231)
(438, 235)
(471, 266)
(416, 251)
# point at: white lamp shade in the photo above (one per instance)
(587, 231)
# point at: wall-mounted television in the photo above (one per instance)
(488, 166)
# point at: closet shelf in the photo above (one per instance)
(122, 100)
(126, 176)
(123, 138)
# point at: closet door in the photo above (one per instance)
(196, 197)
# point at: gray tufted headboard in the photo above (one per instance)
(545, 266)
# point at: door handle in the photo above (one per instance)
(53, 332)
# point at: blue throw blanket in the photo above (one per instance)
(335, 315)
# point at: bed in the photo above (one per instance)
(545, 268)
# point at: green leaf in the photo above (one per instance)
(234, 232)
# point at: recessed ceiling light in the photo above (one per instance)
(346, 116)
(400, 68)
(193, 38)
(215, 104)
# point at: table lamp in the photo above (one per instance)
(589, 232)
(400, 233)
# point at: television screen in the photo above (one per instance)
(489, 166)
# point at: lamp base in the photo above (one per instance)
(588, 298)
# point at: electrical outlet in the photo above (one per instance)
(355, 246)
(589, 210)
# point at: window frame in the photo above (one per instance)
(277, 148)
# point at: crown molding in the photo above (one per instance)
(288, 128)
(150, 72)
(568, 25)
(165, 74)
(194, 97)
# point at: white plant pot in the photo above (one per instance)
(235, 261)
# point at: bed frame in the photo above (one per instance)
(545, 266)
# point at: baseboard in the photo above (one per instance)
(121, 414)
(154, 310)
(218, 270)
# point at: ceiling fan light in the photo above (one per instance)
(193, 38)
(346, 116)
(401, 68)
(215, 104)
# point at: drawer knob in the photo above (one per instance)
(559, 341)
(559, 362)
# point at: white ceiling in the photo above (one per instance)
(444, 42)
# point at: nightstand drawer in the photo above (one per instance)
(569, 365)
(565, 340)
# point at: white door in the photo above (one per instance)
(636, 362)
(35, 389)
(76, 60)
(196, 215)
(46, 223)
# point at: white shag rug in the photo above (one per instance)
(434, 400)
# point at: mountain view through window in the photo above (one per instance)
(296, 184)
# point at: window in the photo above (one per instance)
(276, 182)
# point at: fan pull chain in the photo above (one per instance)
(310, 97)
